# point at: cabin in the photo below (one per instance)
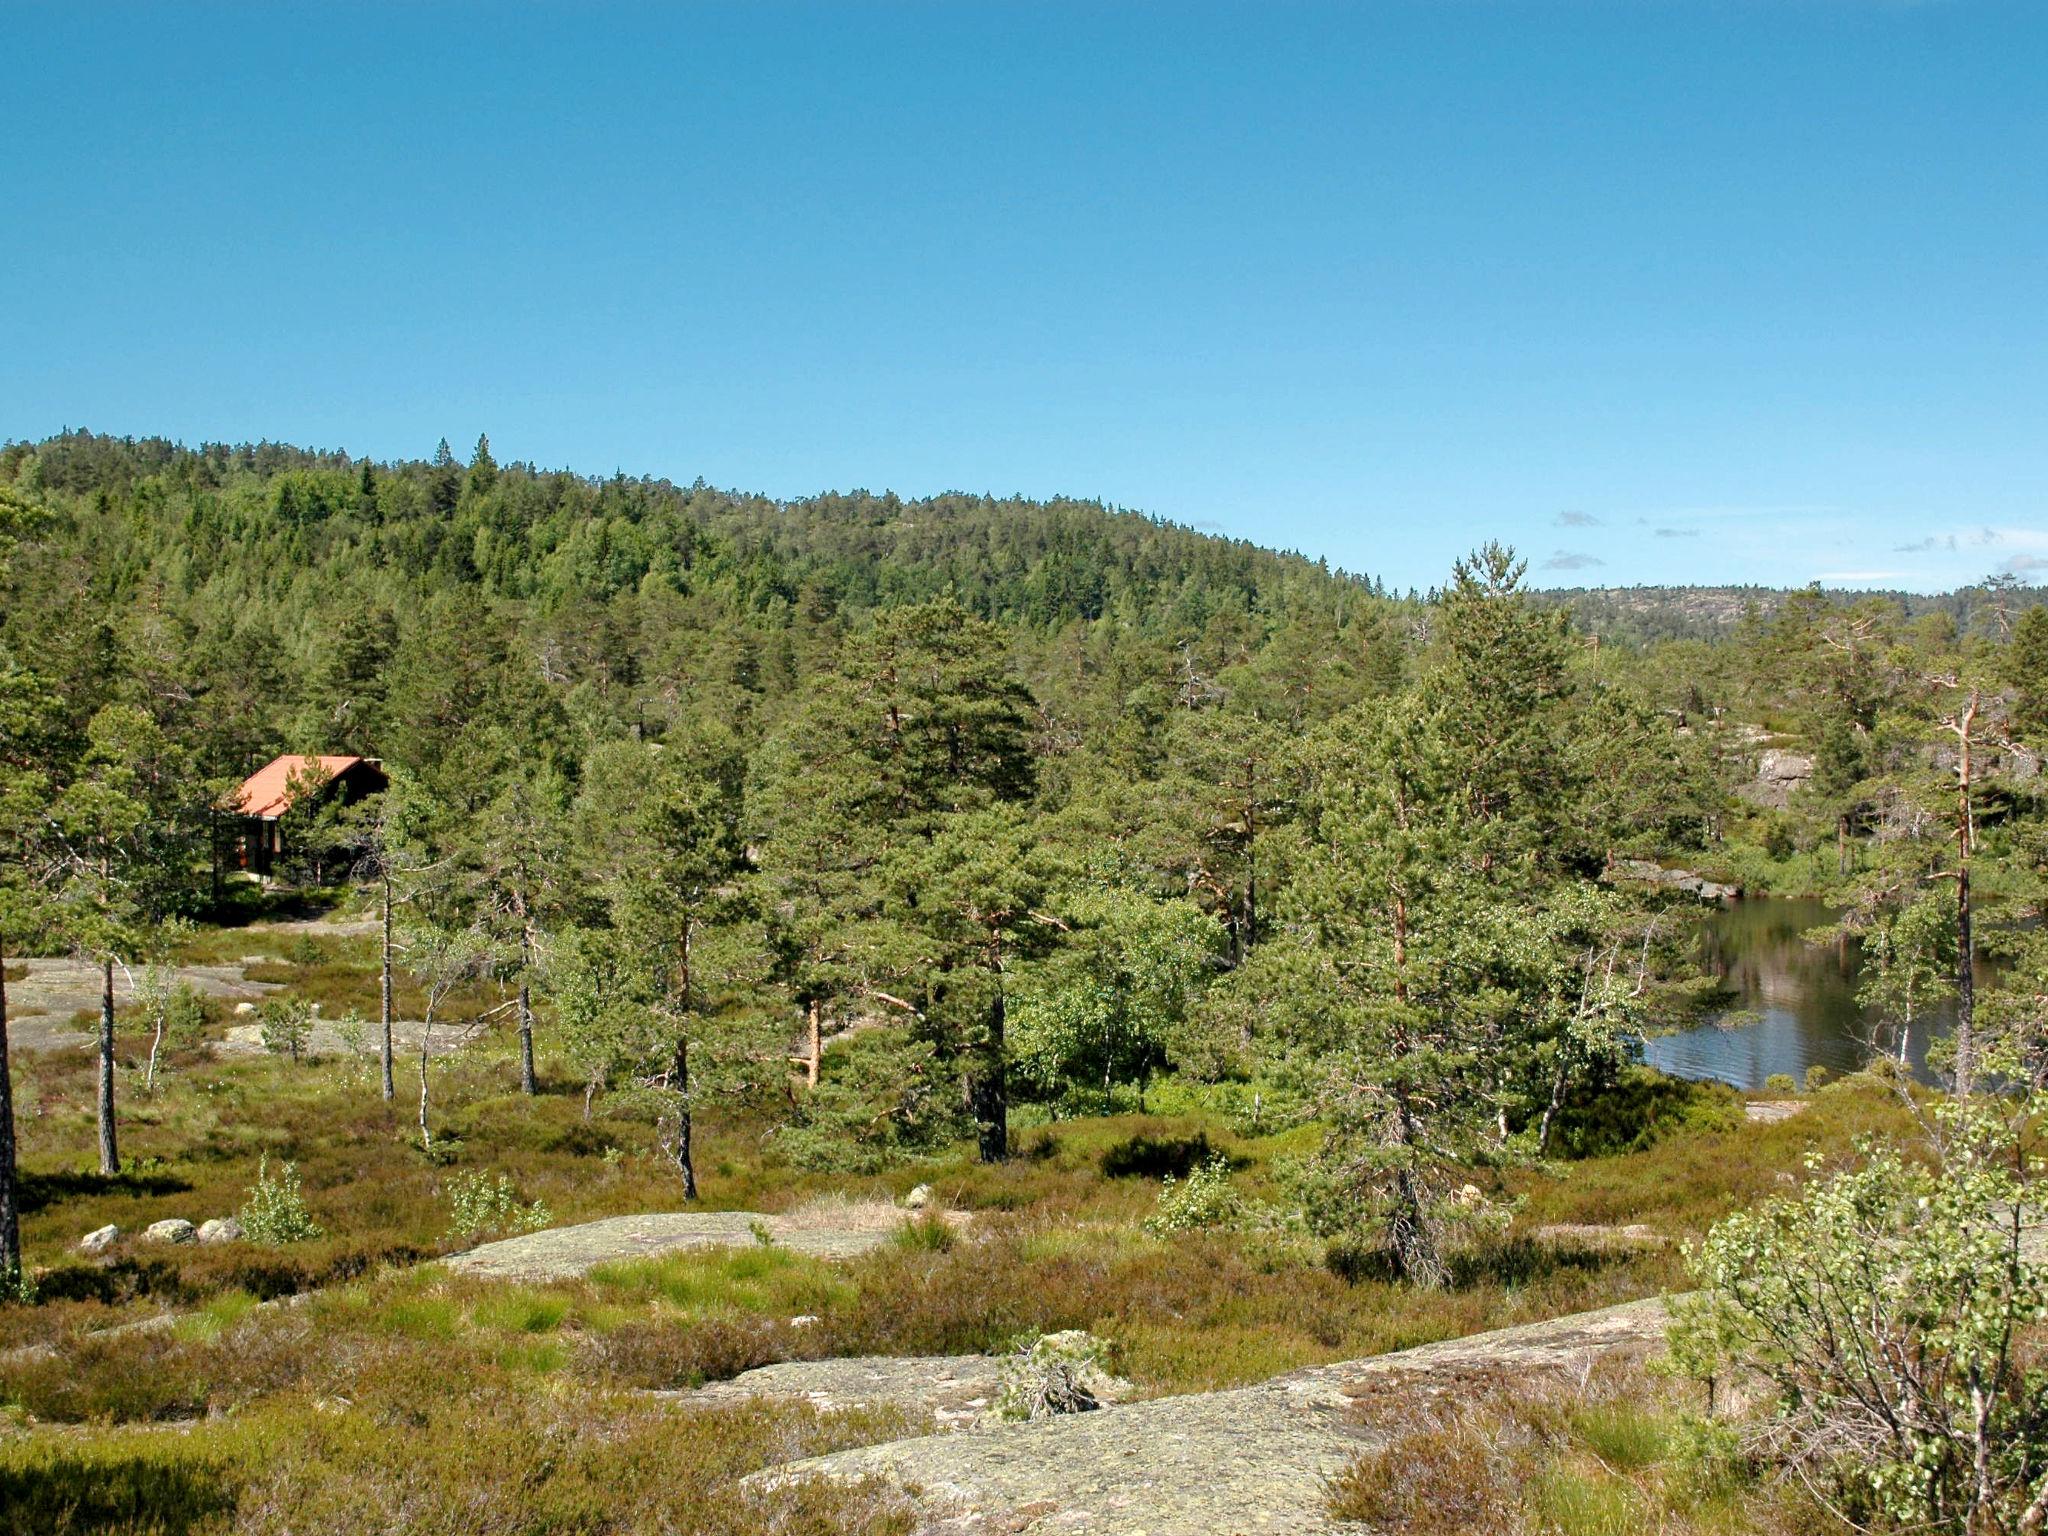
(285, 783)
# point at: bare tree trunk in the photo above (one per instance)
(1550, 1110)
(680, 1081)
(686, 1162)
(1966, 979)
(990, 1089)
(110, 1156)
(814, 1062)
(1408, 1235)
(156, 1043)
(426, 1037)
(384, 991)
(10, 1198)
(528, 1083)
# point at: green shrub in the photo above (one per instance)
(1206, 1199)
(1638, 1109)
(1780, 1083)
(883, 1100)
(927, 1234)
(1053, 1374)
(287, 1026)
(481, 1205)
(276, 1212)
(1817, 1077)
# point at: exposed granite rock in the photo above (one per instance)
(221, 1229)
(1213, 1464)
(830, 1231)
(99, 1240)
(1643, 872)
(1771, 1111)
(1778, 774)
(175, 1229)
(956, 1390)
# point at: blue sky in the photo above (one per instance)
(1657, 291)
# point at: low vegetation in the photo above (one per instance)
(1245, 963)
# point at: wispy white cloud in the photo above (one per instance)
(1577, 520)
(1572, 560)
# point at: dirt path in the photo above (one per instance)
(1254, 1459)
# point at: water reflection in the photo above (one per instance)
(1800, 999)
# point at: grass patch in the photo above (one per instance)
(1501, 1453)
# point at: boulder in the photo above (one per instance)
(918, 1198)
(244, 1010)
(175, 1229)
(1777, 766)
(100, 1239)
(1778, 774)
(221, 1229)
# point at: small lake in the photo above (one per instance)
(1800, 998)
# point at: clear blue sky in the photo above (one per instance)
(1657, 291)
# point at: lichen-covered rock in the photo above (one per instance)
(100, 1239)
(1209, 1464)
(918, 1198)
(175, 1229)
(955, 1390)
(1642, 871)
(562, 1253)
(221, 1229)
(1778, 774)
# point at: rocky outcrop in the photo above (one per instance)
(1643, 872)
(1778, 774)
(1251, 1459)
(955, 1390)
(1771, 1111)
(832, 1230)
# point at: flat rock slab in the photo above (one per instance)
(954, 1389)
(563, 1253)
(1254, 1459)
(324, 1039)
(1771, 1111)
(43, 1003)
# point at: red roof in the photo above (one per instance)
(267, 791)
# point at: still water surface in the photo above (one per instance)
(1799, 998)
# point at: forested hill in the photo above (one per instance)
(553, 536)
(1643, 615)
(268, 594)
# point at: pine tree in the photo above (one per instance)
(659, 828)
(520, 848)
(132, 837)
(1397, 925)
(483, 469)
(970, 902)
